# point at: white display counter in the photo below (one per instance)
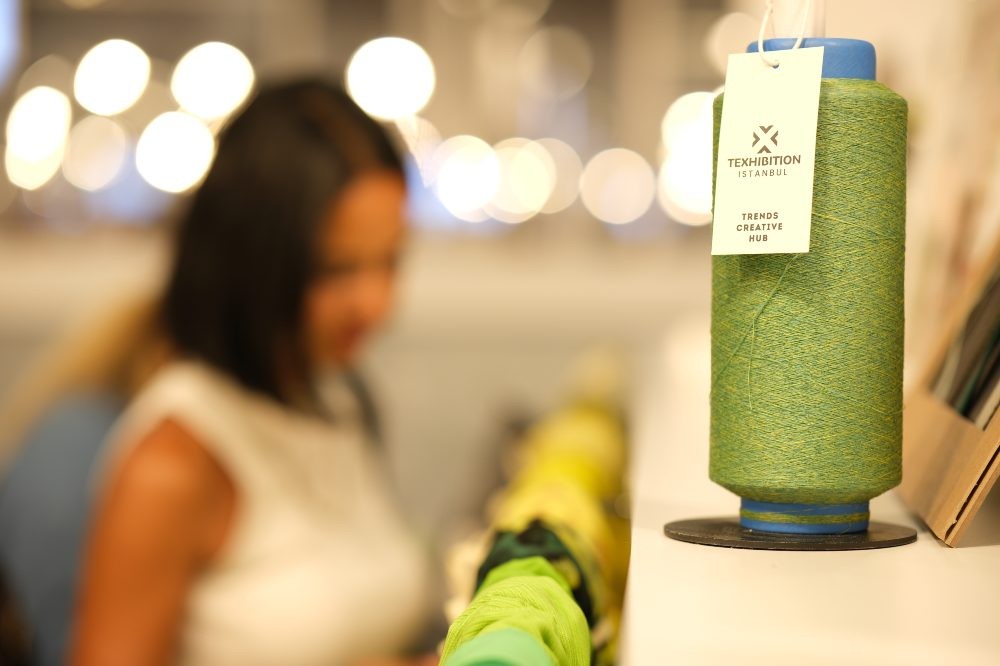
(923, 603)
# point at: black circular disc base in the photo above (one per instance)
(728, 533)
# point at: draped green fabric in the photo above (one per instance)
(503, 647)
(528, 595)
(538, 539)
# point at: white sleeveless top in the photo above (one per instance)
(318, 567)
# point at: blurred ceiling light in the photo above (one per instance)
(422, 139)
(566, 187)
(212, 80)
(174, 152)
(689, 112)
(30, 175)
(527, 178)
(52, 71)
(38, 124)
(95, 153)
(467, 176)
(555, 63)
(111, 77)
(685, 180)
(729, 34)
(390, 78)
(685, 190)
(617, 186)
(36, 136)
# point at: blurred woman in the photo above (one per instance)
(241, 517)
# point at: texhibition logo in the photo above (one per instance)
(764, 137)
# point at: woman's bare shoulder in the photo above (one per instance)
(169, 481)
(162, 517)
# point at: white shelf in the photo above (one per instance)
(922, 603)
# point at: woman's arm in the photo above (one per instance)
(165, 513)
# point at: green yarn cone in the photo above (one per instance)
(807, 349)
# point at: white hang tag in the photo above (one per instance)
(767, 151)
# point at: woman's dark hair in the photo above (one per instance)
(246, 248)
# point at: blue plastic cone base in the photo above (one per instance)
(804, 518)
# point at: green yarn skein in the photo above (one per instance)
(807, 349)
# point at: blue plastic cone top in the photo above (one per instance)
(842, 58)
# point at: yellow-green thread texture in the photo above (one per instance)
(807, 349)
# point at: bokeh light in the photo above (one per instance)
(95, 154)
(729, 34)
(390, 78)
(617, 186)
(174, 152)
(38, 124)
(555, 63)
(685, 115)
(467, 176)
(36, 136)
(684, 191)
(422, 139)
(212, 80)
(111, 77)
(566, 187)
(31, 174)
(527, 177)
(685, 182)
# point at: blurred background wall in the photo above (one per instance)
(524, 252)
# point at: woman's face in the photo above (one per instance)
(360, 241)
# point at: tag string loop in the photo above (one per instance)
(768, 14)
